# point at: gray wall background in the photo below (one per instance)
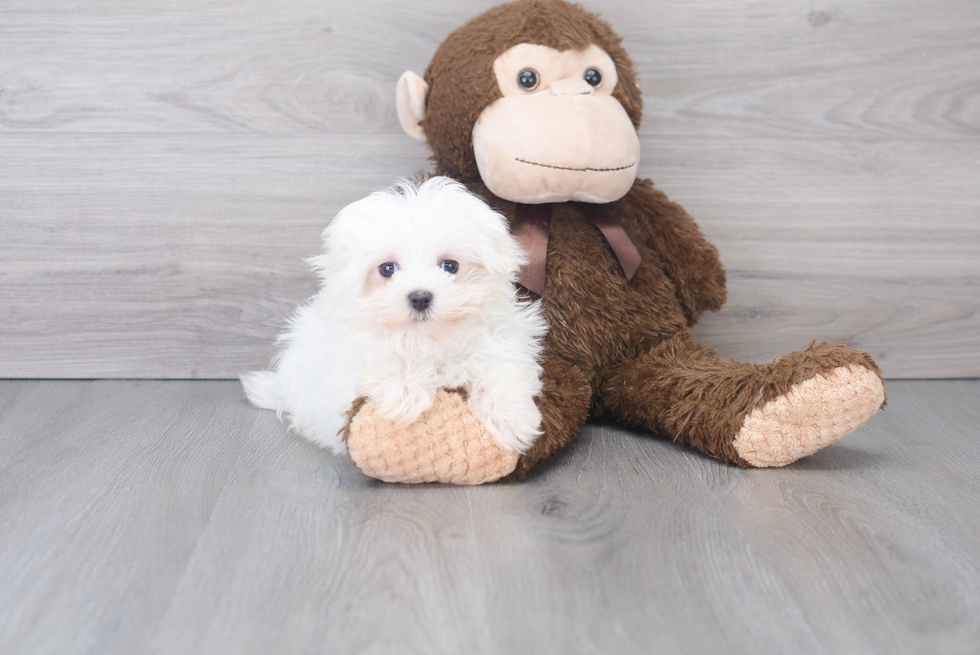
(166, 166)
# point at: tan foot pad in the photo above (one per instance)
(813, 414)
(446, 444)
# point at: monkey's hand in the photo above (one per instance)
(447, 443)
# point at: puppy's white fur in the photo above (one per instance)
(361, 336)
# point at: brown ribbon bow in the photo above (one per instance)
(532, 225)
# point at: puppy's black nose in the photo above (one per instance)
(420, 300)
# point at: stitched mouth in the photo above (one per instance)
(569, 168)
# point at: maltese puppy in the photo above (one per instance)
(417, 295)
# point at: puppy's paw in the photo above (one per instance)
(398, 400)
(513, 420)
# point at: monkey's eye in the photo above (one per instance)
(593, 77)
(388, 269)
(528, 79)
(450, 266)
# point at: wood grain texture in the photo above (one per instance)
(170, 517)
(166, 166)
(869, 68)
(181, 256)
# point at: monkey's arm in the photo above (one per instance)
(690, 261)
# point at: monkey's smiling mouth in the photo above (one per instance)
(568, 168)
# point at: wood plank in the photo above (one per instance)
(181, 255)
(785, 67)
(108, 488)
(170, 517)
(173, 251)
(146, 245)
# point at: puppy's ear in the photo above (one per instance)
(339, 274)
(341, 267)
(500, 254)
(410, 97)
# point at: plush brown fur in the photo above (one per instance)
(462, 82)
(715, 394)
(630, 340)
(564, 405)
(616, 348)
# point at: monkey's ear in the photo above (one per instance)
(410, 98)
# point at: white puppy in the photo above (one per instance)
(417, 294)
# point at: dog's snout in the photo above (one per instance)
(420, 300)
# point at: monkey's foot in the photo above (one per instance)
(446, 444)
(811, 415)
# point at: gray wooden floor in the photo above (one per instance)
(170, 517)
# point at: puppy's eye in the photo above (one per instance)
(528, 79)
(593, 77)
(388, 269)
(450, 266)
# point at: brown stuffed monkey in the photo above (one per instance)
(534, 105)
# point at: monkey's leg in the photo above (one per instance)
(746, 414)
(449, 444)
(564, 403)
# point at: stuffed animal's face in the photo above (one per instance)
(557, 133)
(536, 98)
